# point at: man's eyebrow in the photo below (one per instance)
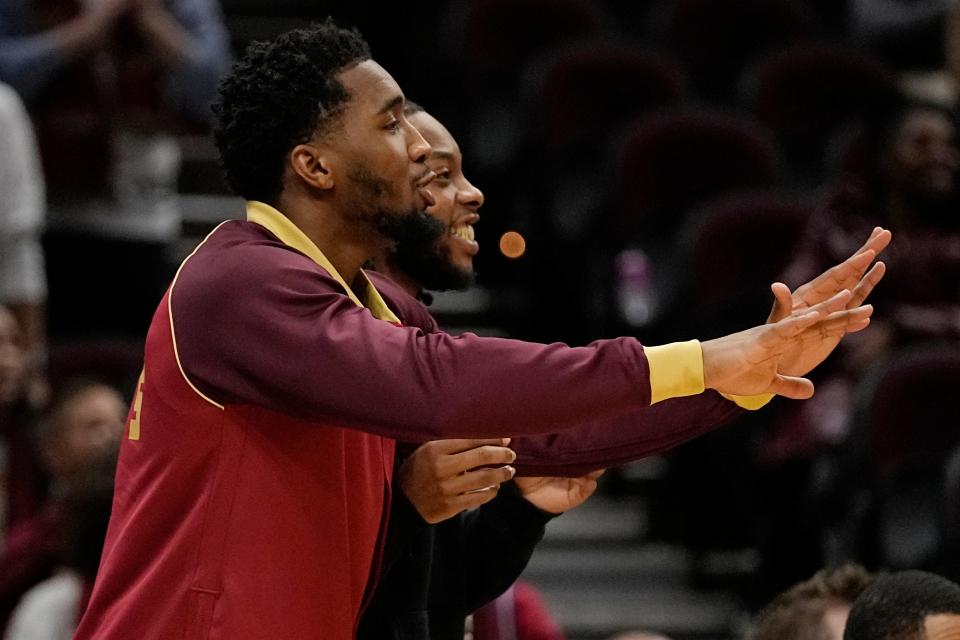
(440, 153)
(391, 104)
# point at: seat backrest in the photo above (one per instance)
(583, 90)
(743, 242)
(498, 35)
(670, 162)
(909, 413)
(805, 93)
(715, 39)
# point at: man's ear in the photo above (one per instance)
(312, 165)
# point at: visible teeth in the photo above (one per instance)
(463, 231)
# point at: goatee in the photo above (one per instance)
(419, 251)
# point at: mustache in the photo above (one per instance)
(417, 230)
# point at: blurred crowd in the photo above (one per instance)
(665, 161)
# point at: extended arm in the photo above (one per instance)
(286, 338)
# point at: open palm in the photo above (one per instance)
(556, 495)
(855, 274)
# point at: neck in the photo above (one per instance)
(345, 243)
(407, 283)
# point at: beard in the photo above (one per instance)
(417, 237)
(420, 253)
(368, 194)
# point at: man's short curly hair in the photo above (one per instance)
(278, 96)
(896, 606)
(797, 613)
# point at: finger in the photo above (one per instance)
(836, 302)
(830, 329)
(878, 241)
(475, 499)
(782, 302)
(477, 480)
(842, 276)
(480, 457)
(867, 283)
(596, 474)
(858, 326)
(774, 334)
(454, 446)
(792, 387)
(840, 322)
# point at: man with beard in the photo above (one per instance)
(253, 483)
(434, 576)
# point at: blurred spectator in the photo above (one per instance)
(815, 609)
(22, 483)
(519, 614)
(908, 33)
(906, 180)
(638, 635)
(52, 609)
(907, 605)
(23, 283)
(78, 443)
(108, 84)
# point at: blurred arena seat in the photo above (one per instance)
(583, 90)
(670, 162)
(715, 39)
(805, 93)
(741, 243)
(911, 424)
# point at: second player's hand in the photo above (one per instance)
(855, 273)
(556, 495)
(749, 362)
(442, 478)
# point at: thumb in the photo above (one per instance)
(782, 302)
(792, 387)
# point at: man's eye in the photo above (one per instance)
(393, 126)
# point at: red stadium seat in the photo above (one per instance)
(668, 163)
(804, 94)
(911, 425)
(909, 415)
(116, 362)
(742, 242)
(498, 35)
(581, 91)
(714, 39)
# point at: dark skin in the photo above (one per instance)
(437, 478)
(319, 195)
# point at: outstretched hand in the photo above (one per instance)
(750, 362)
(855, 273)
(556, 495)
(445, 477)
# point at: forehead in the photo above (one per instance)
(9, 329)
(94, 400)
(942, 626)
(372, 90)
(924, 121)
(441, 140)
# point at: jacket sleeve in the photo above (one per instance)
(279, 333)
(607, 443)
(498, 541)
(598, 444)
